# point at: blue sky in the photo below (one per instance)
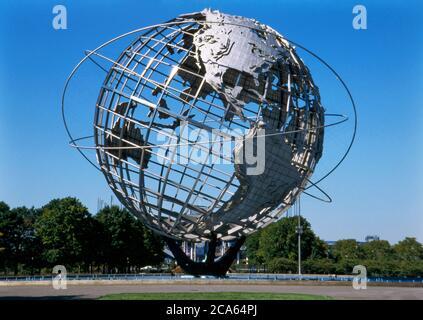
(378, 189)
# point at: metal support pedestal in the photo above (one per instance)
(211, 267)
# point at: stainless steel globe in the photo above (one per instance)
(228, 78)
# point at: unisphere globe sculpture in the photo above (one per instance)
(178, 113)
(214, 72)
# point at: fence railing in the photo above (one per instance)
(238, 277)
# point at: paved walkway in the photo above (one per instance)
(94, 291)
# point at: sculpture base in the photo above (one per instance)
(211, 267)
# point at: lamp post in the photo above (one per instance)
(299, 232)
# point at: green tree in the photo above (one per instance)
(3, 209)
(20, 243)
(409, 249)
(127, 241)
(377, 250)
(280, 240)
(319, 266)
(153, 245)
(252, 249)
(66, 231)
(409, 268)
(1, 248)
(347, 249)
(30, 243)
(281, 265)
(390, 268)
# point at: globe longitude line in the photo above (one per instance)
(192, 150)
(139, 47)
(202, 168)
(227, 184)
(200, 171)
(160, 202)
(112, 75)
(151, 72)
(217, 200)
(141, 176)
(124, 118)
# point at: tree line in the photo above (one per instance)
(275, 248)
(63, 232)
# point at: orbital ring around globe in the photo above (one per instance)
(110, 146)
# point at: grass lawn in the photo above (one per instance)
(213, 296)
